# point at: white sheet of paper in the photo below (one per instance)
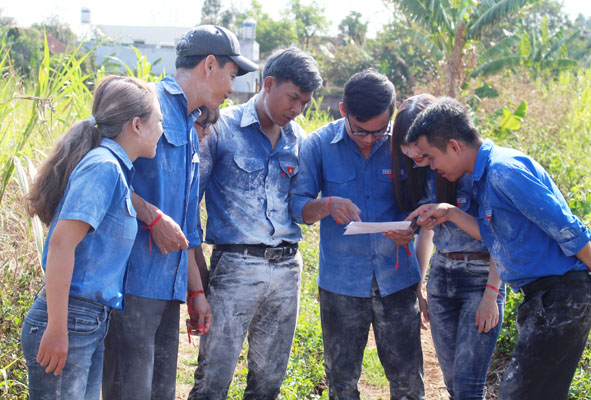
(357, 228)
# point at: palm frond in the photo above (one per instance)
(562, 42)
(417, 11)
(497, 65)
(504, 47)
(494, 14)
(563, 63)
(425, 42)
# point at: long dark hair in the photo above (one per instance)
(416, 177)
(117, 100)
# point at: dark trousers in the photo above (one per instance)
(141, 350)
(251, 296)
(455, 290)
(396, 324)
(553, 327)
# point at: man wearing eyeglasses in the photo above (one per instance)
(364, 279)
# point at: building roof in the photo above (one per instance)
(149, 35)
(55, 45)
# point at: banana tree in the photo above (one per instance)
(450, 30)
(537, 51)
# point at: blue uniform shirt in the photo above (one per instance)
(246, 182)
(169, 181)
(331, 163)
(523, 218)
(98, 193)
(448, 237)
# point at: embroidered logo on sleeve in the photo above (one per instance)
(460, 201)
(488, 214)
(289, 170)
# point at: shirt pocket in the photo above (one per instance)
(171, 151)
(463, 201)
(288, 170)
(384, 188)
(122, 220)
(248, 174)
(340, 181)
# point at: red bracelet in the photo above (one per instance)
(191, 294)
(328, 204)
(495, 289)
(149, 228)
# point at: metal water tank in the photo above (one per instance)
(249, 29)
(85, 15)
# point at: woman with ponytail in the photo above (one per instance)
(82, 192)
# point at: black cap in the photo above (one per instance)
(204, 40)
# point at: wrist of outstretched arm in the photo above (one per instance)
(454, 215)
(146, 212)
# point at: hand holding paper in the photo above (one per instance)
(357, 228)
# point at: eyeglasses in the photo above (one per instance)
(379, 133)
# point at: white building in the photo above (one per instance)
(158, 45)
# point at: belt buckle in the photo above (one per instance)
(273, 253)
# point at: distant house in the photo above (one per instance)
(159, 43)
(154, 42)
(54, 45)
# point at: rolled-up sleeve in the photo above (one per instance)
(541, 202)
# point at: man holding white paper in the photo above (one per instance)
(364, 279)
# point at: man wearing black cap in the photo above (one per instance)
(247, 165)
(142, 344)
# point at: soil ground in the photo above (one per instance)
(434, 386)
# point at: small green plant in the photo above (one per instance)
(143, 68)
(314, 117)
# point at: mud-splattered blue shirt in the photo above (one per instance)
(447, 237)
(246, 182)
(170, 181)
(523, 218)
(98, 193)
(332, 164)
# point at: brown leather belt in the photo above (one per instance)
(460, 255)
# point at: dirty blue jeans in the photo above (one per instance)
(141, 350)
(253, 295)
(454, 290)
(553, 326)
(88, 323)
(396, 324)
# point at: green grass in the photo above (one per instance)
(373, 372)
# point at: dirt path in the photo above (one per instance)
(434, 387)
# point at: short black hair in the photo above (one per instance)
(368, 94)
(190, 62)
(443, 120)
(295, 65)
